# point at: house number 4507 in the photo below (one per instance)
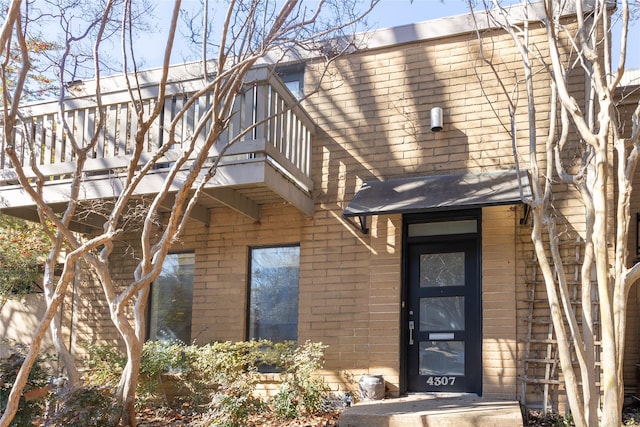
(441, 381)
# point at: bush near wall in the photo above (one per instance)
(221, 377)
(32, 402)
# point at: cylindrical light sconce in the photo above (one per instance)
(436, 119)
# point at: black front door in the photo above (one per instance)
(443, 312)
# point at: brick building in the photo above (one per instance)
(405, 249)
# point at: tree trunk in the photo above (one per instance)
(589, 390)
(126, 392)
(32, 355)
(55, 327)
(564, 351)
(611, 408)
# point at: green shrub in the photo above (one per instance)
(24, 246)
(551, 419)
(225, 374)
(306, 391)
(28, 410)
(228, 364)
(285, 403)
(161, 357)
(86, 406)
(105, 365)
(232, 369)
(229, 410)
(165, 374)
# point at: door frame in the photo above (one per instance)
(449, 215)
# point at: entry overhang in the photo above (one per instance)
(429, 193)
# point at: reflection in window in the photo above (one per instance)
(293, 79)
(273, 293)
(442, 314)
(443, 228)
(442, 358)
(442, 269)
(171, 300)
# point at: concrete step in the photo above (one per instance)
(422, 410)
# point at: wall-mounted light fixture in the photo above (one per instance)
(436, 119)
(75, 87)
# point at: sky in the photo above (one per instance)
(391, 13)
(388, 13)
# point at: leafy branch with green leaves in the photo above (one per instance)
(23, 249)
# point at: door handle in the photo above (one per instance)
(411, 328)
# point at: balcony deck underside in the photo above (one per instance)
(243, 186)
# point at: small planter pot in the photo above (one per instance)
(371, 387)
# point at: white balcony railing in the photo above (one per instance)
(281, 129)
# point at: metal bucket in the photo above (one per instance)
(371, 387)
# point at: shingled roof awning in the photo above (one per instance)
(428, 193)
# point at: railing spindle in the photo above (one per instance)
(265, 106)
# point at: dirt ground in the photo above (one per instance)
(164, 418)
(630, 418)
(170, 418)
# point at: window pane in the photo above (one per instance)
(273, 298)
(442, 314)
(171, 299)
(443, 228)
(442, 269)
(441, 357)
(293, 79)
(296, 88)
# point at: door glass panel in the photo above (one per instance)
(441, 358)
(442, 314)
(443, 228)
(442, 269)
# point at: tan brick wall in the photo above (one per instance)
(632, 349)
(221, 272)
(372, 120)
(499, 284)
(92, 322)
(375, 125)
(350, 298)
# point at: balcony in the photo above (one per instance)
(270, 163)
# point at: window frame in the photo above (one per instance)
(248, 325)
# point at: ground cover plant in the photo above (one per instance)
(32, 403)
(209, 385)
(215, 384)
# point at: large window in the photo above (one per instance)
(273, 293)
(171, 300)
